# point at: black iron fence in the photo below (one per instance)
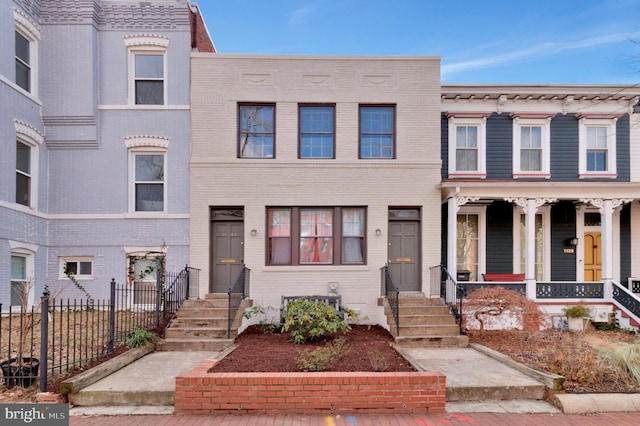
(392, 293)
(57, 337)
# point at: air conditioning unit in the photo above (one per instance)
(604, 314)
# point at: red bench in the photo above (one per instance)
(504, 278)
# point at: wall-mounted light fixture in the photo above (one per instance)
(573, 241)
(378, 232)
(254, 232)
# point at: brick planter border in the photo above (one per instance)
(201, 392)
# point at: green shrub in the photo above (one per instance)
(322, 358)
(309, 320)
(138, 338)
(577, 311)
(267, 323)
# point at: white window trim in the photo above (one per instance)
(481, 211)
(472, 119)
(27, 251)
(146, 145)
(149, 44)
(519, 121)
(31, 31)
(545, 211)
(63, 260)
(30, 136)
(585, 121)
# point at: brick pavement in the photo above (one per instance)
(451, 419)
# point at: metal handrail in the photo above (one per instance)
(626, 301)
(238, 291)
(392, 293)
(450, 291)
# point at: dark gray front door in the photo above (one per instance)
(227, 255)
(404, 254)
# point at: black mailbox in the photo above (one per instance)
(463, 275)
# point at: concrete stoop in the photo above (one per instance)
(201, 325)
(424, 323)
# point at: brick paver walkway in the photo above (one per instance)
(451, 419)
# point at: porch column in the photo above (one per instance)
(607, 208)
(452, 235)
(530, 207)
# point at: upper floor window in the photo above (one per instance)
(147, 171)
(147, 69)
(377, 131)
(256, 135)
(316, 236)
(23, 62)
(23, 174)
(149, 181)
(149, 79)
(27, 35)
(317, 131)
(28, 140)
(597, 137)
(467, 135)
(531, 145)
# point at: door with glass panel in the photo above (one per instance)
(592, 256)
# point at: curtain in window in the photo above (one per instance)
(316, 236)
(279, 236)
(353, 235)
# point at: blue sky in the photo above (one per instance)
(481, 41)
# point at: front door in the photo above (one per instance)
(404, 254)
(227, 254)
(592, 256)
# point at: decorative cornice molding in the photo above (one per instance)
(141, 40)
(147, 140)
(28, 131)
(26, 25)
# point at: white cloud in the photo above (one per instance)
(528, 54)
(300, 15)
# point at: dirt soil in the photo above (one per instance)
(583, 358)
(275, 352)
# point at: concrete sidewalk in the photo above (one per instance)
(476, 383)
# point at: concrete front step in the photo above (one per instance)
(408, 342)
(427, 330)
(199, 322)
(198, 333)
(202, 312)
(190, 345)
(419, 310)
(506, 392)
(118, 397)
(206, 303)
(429, 320)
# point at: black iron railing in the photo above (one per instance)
(392, 293)
(569, 290)
(627, 300)
(468, 287)
(237, 292)
(450, 291)
(181, 286)
(56, 337)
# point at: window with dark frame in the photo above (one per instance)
(149, 79)
(377, 131)
(256, 131)
(317, 131)
(316, 235)
(23, 174)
